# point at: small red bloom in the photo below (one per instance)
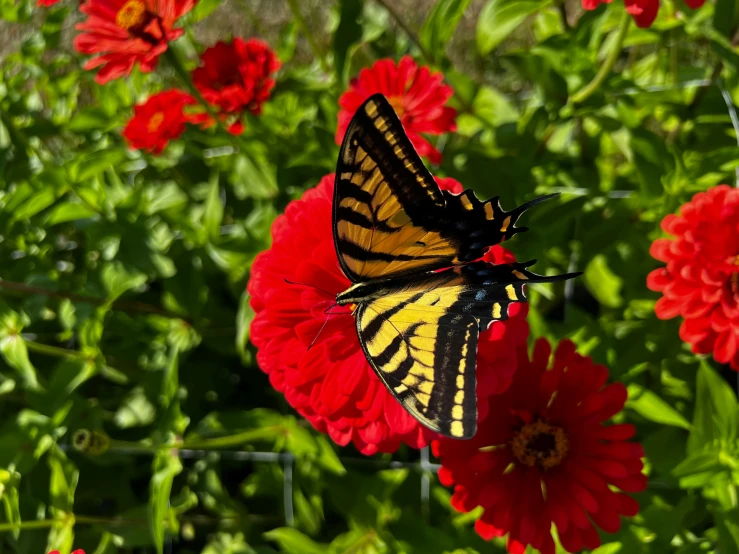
(644, 12)
(701, 279)
(417, 95)
(78, 551)
(159, 119)
(47, 3)
(237, 76)
(543, 455)
(332, 385)
(125, 32)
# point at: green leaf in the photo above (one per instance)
(118, 277)
(170, 379)
(166, 466)
(716, 411)
(13, 347)
(136, 410)
(499, 18)
(348, 32)
(213, 213)
(440, 25)
(650, 406)
(725, 16)
(294, 542)
(68, 211)
(253, 178)
(244, 317)
(203, 9)
(603, 283)
(699, 469)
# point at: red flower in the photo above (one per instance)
(47, 3)
(79, 551)
(644, 12)
(124, 32)
(332, 385)
(701, 279)
(416, 94)
(542, 455)
(160, 119)
(237, 76)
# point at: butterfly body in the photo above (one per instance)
(413, 253)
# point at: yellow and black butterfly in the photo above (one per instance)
(420, 297)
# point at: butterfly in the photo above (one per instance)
(420, 294)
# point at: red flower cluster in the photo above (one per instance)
(237, 76)
(542, 455)
(644, 12)
(126, 32)
(160, 119)
(701, 279)
(417, 95)
(332, 385)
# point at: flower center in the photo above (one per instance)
(397, 103)
(540, 444)
(131, 15)
(155, 122)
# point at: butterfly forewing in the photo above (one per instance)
(382, 189)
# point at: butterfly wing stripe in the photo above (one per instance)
(373, 326)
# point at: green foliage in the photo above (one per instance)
(122, 274)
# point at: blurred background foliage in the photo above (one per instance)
(122, 303)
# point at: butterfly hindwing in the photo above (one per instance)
(421, 337)
(391, 218)
(426, 359)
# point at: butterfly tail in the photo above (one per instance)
(517, 212)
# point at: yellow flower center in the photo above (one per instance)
(155, 122)
(397, 103)
(132, 14)
(540, 444)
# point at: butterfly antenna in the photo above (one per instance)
(310, 286)
(328, 315)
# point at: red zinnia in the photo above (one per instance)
(159, 119)
(644, 12)
(701, 279)
(124, 32)
(332, 385)
(237, 76)
(542, 455)
(417, 95)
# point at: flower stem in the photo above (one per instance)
(587, 91)
(232, 440)
(308, 35)
(56, 351)
(122, 305)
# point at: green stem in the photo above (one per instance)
(308, 35)
(57, 352)
(23, 525)
(122, 305)
(232, 440)
(587, 91)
